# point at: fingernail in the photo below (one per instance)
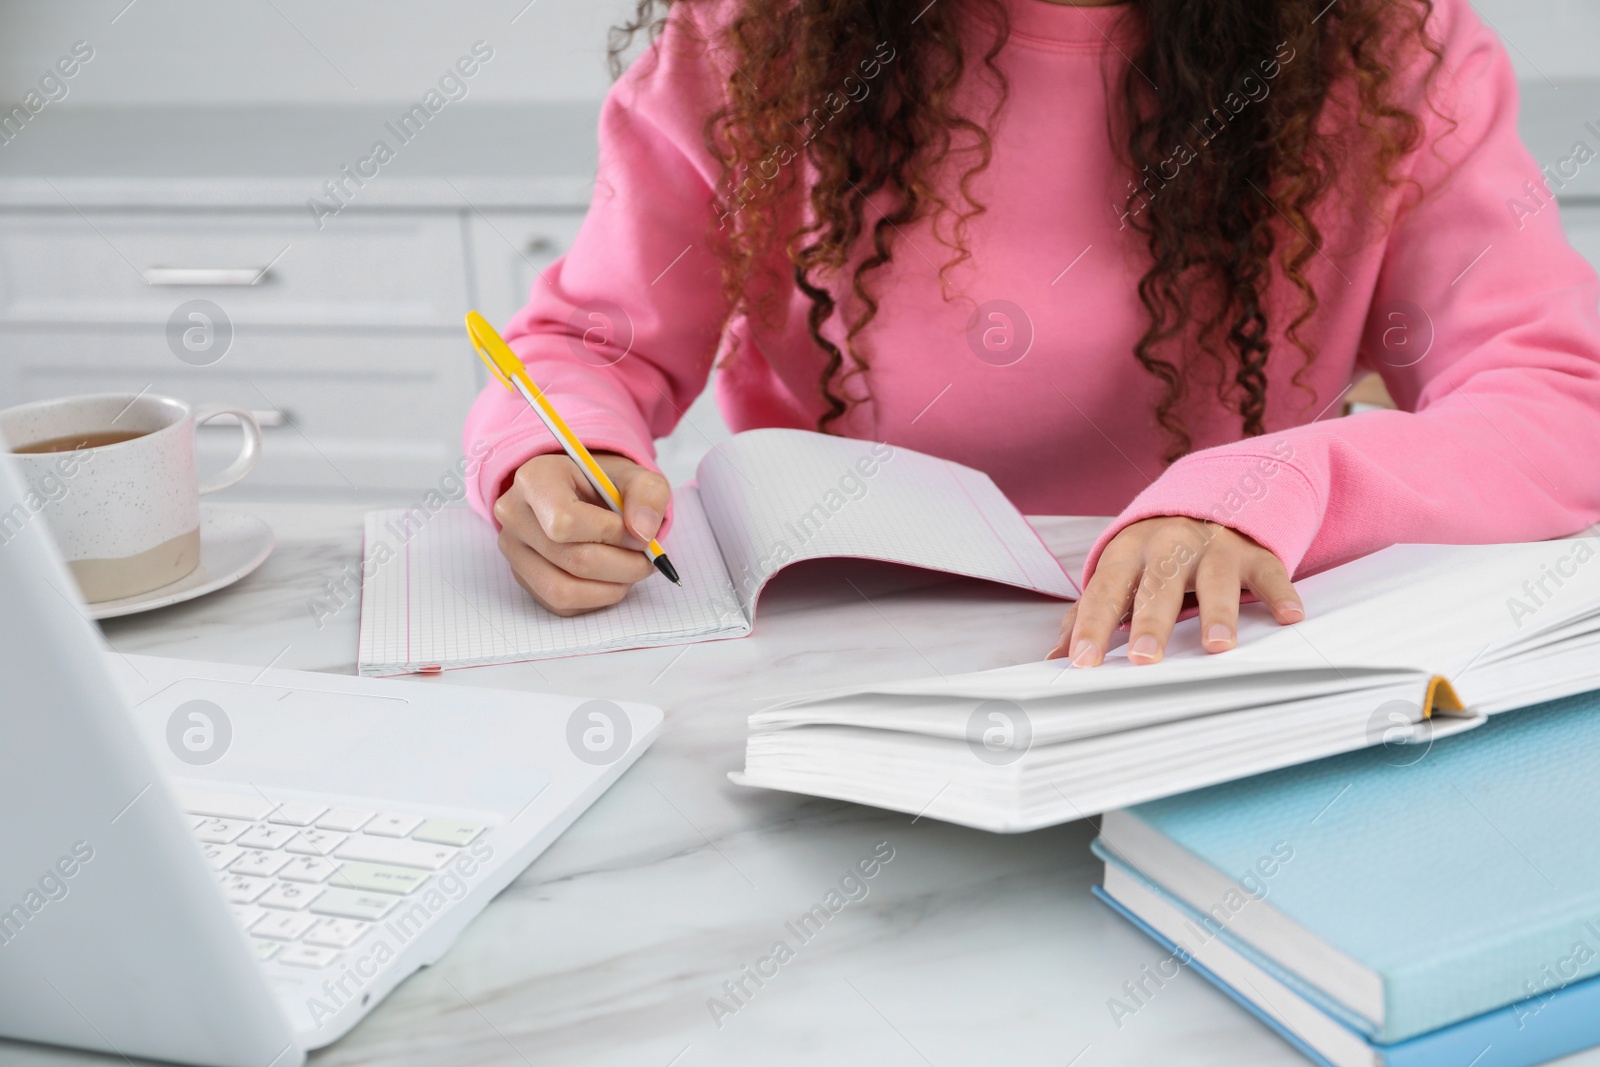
(1145, 647)
(1219, 634)
(1083, 653)
(646, 521)
(1291, 610)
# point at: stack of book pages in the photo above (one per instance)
(1413, 642)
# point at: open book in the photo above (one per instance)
(1397, 648)
(436, 593)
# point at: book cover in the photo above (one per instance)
(1464, 874)
(1533, 1031)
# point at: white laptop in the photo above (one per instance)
(221, 865)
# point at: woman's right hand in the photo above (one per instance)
(566, 547)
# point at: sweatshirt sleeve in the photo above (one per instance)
(620, 333)
(1500, 417)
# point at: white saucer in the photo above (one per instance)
(232, 545)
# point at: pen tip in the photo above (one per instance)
(665, 567)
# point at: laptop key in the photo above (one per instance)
(354, 904)
(347, 820)
(336, 933)
(246, 806)
(310, 869)
(379, 876)
(392, 824)
(221, 855)
(289, 897)
(265, 836)
(396, 851)
(221, 831)
(256, 862)
(314, 842)
(305, 880)
(297, 813)
(241, 889)
(308, 956)
(282, 925)
(447, 832)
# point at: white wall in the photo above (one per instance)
(306, 51)
(302, 51)
(1548, 38)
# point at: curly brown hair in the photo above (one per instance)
(1248, 199)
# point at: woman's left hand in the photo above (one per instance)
(1150, 566)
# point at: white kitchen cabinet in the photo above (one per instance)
(377, 269)
(510, 249)
(364, 412)
(348, 342)
(344, 333)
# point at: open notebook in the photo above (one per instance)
(436, 593)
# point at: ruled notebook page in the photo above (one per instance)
(776, 496)
(436, 593)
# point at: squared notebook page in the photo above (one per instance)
(436, 594)
(776, 496)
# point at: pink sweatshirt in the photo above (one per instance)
(1480, 317)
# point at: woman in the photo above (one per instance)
(1125, 258)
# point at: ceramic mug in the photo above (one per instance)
(118, 486)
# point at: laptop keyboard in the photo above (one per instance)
(306, 879)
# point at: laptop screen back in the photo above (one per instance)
(113, 933)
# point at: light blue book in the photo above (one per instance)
(1399, 889)
(1519, 1035)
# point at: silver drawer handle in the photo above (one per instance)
(267, 418)
(539, 245)
(205, 275)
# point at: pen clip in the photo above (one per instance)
(495, 353)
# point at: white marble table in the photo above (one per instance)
(970, 948)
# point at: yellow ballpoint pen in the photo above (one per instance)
(509, 371)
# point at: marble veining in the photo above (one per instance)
(967, 947)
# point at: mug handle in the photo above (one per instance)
(235, 471)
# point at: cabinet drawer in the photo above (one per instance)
(267, 267)
(354, 414)
(509, 249)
